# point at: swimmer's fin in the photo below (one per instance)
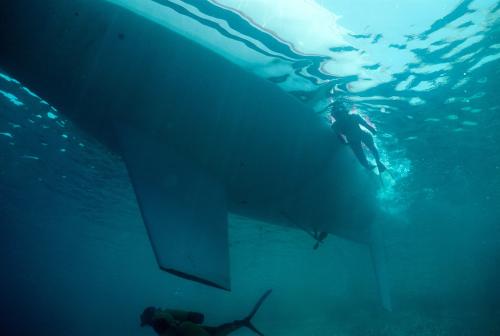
(381, 179)
(182, 206)
(380, 267)
(381, 167)
(247, 321)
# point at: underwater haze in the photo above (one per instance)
(74, 252)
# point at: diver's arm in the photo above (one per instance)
(183, 316)
(339, 134)
(366, 125)
(342, 139)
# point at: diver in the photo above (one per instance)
(348, 130)
(320, 238)
(167, 322)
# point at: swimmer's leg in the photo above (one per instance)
(368, 141)
(360, 154)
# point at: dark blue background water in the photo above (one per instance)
(75, 258)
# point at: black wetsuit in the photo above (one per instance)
(349, 125)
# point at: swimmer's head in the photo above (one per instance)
(339, 109)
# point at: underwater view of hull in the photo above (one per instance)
(154, 152)
(139, 88)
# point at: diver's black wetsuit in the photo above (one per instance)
(168, 322)
(348, 125)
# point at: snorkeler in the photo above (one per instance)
(347, 127)
(167, 322)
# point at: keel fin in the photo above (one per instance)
(183, 208)
(380, 266)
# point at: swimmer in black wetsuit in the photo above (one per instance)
(347, 127)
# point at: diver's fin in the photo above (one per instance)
(381, 167)
(183, 207)
(380, 266)
(381, 180)
(320, 238)
(247, 321)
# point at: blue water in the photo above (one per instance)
(75, 257)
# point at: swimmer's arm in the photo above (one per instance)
(366, 125)
(339, 134)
